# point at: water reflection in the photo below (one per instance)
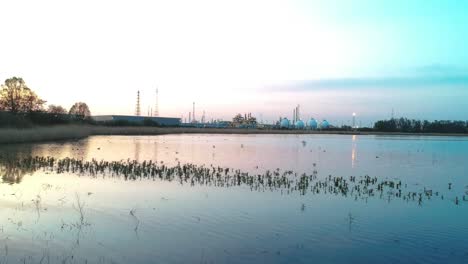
(12, 174)
(204, 216)
(155, 149)
(137, 150)
(255, 153)
(353, 151)
(10, 171)
(79, 148)
(287, 182)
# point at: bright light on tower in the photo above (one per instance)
(354, 120)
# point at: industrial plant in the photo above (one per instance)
(297, 123)
(152, 118)
(246, 120)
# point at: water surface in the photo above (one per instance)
(160, 221)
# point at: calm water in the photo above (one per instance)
(158, 221)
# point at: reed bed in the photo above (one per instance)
(286, 182)
(71, 132)
(39, 134)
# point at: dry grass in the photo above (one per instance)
(55, 133)
(39, 134)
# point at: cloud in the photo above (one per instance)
(430, 76)
(441, 70)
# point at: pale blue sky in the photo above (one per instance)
(265, 57)
(401, 34)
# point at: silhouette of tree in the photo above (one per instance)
(417, 126)
(80, 110)
(16, 96)
(56, 109)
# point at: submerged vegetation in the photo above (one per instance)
(286, 182)
(70, 205)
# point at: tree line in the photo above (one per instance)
(418, 126)
(21, 106)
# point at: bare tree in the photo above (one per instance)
(80, 110)
(56, 109)
(15, 96)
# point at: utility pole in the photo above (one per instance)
(138, 110)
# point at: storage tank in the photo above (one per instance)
(324, 124)
(284, 123)
(312, 124)
(300, 124)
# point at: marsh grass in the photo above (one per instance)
(79, 207)
(39, 134)
(287, 182)
(71, 132)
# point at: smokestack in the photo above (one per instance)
(190, 117)
(297, 113)
(193, 112)
(294, 116)
(156, 105)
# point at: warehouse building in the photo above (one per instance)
(163, 121)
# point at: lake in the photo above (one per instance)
(236, 199)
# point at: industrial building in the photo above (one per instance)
(153, 116)
(163, 121)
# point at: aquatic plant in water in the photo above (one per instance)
(286, 182)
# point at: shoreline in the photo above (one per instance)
(74, 132)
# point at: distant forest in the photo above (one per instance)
(418, 126)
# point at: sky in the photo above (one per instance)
(331, 57)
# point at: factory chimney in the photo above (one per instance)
(298, 117)
(294, 116)
(156, 106)
(193, 116)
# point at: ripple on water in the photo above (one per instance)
(234, 225)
